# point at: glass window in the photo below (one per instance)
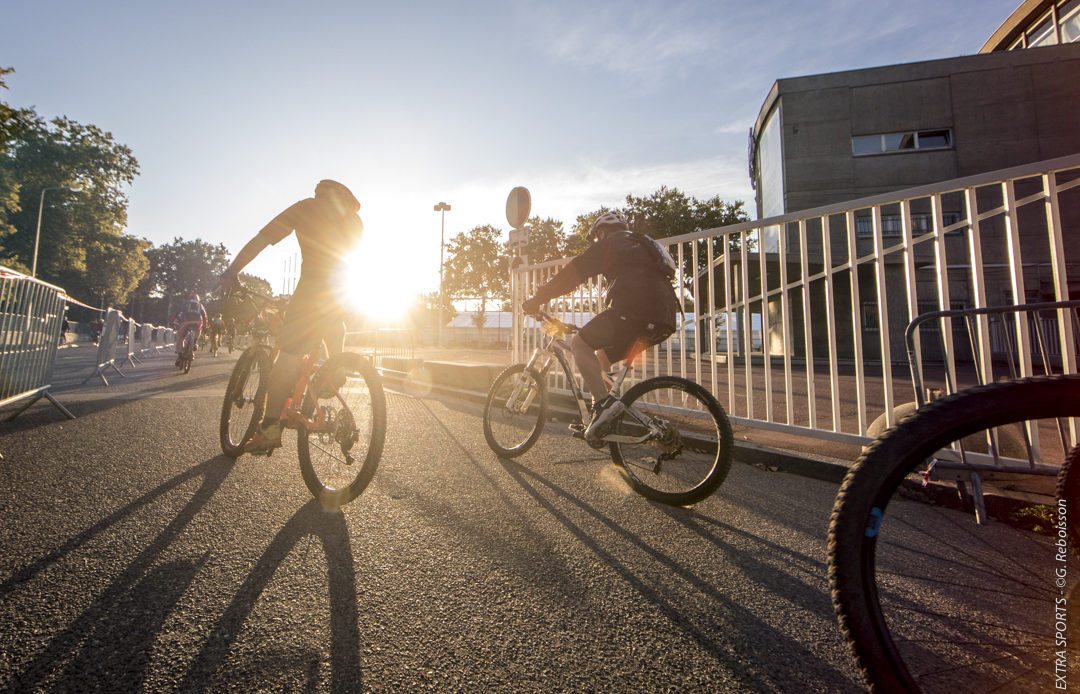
(866, 144)
(890, 225)
(899, 141)
(1069, 18)
(934, 138)
(1044, 34)
(869, 317)
(771, 167)
(920, 223)
(864, 226)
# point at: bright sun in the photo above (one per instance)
(375, 284)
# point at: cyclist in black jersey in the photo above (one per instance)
(640, 299)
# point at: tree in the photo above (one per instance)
(14, 123)
(77, 229)
(670, 212)
(547, 240)
(182, 267)
(477, 268)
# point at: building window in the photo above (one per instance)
(1069, 21)
(862, 145)
(1044, 33)
(869, 317)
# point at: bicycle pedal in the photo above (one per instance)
(577, 431)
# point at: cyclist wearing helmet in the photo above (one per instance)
(327, 228)
(640, 299)
(190, 318)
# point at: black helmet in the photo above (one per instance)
(337, 191)
(606, 222)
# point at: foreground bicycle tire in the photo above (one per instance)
(1068, 490)
(693, 460)
(928, 599)
(339, 463)
(245, 398)
(510, 432)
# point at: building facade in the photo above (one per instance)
(826, 139)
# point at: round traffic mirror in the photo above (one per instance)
(518, 206)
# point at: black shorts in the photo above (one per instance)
(621, 336)
(310, 320)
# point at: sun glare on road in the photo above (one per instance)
(378, 284)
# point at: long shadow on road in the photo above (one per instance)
(330, 528)
(753, 659)
(115, 642)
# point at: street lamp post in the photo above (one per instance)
(443, 208)
(37, 234)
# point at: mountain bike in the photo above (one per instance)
(187, 345)
(948, 553)
(672, 438)
(337, 408)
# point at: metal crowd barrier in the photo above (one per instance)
(383, 343)
(31, 315)
(106, 354)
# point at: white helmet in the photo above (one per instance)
(609, 221)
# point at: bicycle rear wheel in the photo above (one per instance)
(931, 600)
(245, 399)
(515, 411)
(339, 459)
(692, 455)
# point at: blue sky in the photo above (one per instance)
(235, 109)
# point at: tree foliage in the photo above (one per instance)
(547, 240)
(179, 268)
(668, 212)
(82, 247)
(478, 267)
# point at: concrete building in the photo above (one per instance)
(825, 139)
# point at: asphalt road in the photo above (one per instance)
(135, 557)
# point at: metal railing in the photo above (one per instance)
(382, 343)
(797, 322)
(31, 316)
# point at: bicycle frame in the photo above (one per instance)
(291, 415)
(554, 348)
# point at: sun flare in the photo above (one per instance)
(376, 285)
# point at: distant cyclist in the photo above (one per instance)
(327, 229)
(217, 331)
(190, 318)
(640, 299)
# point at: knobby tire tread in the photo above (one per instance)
(882, 468)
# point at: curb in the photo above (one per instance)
(471, 381)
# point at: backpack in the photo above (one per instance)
(661, 259)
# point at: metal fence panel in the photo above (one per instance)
(769, 330)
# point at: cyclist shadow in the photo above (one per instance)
(122, 624)
(743, 656)
(332, 531)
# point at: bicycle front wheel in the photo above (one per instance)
(929, 598)
(339, 455)
(687, 455)
(515, 411)
(245, 399)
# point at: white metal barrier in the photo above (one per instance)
(797, 322)
(106, 353)
(31, 315)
